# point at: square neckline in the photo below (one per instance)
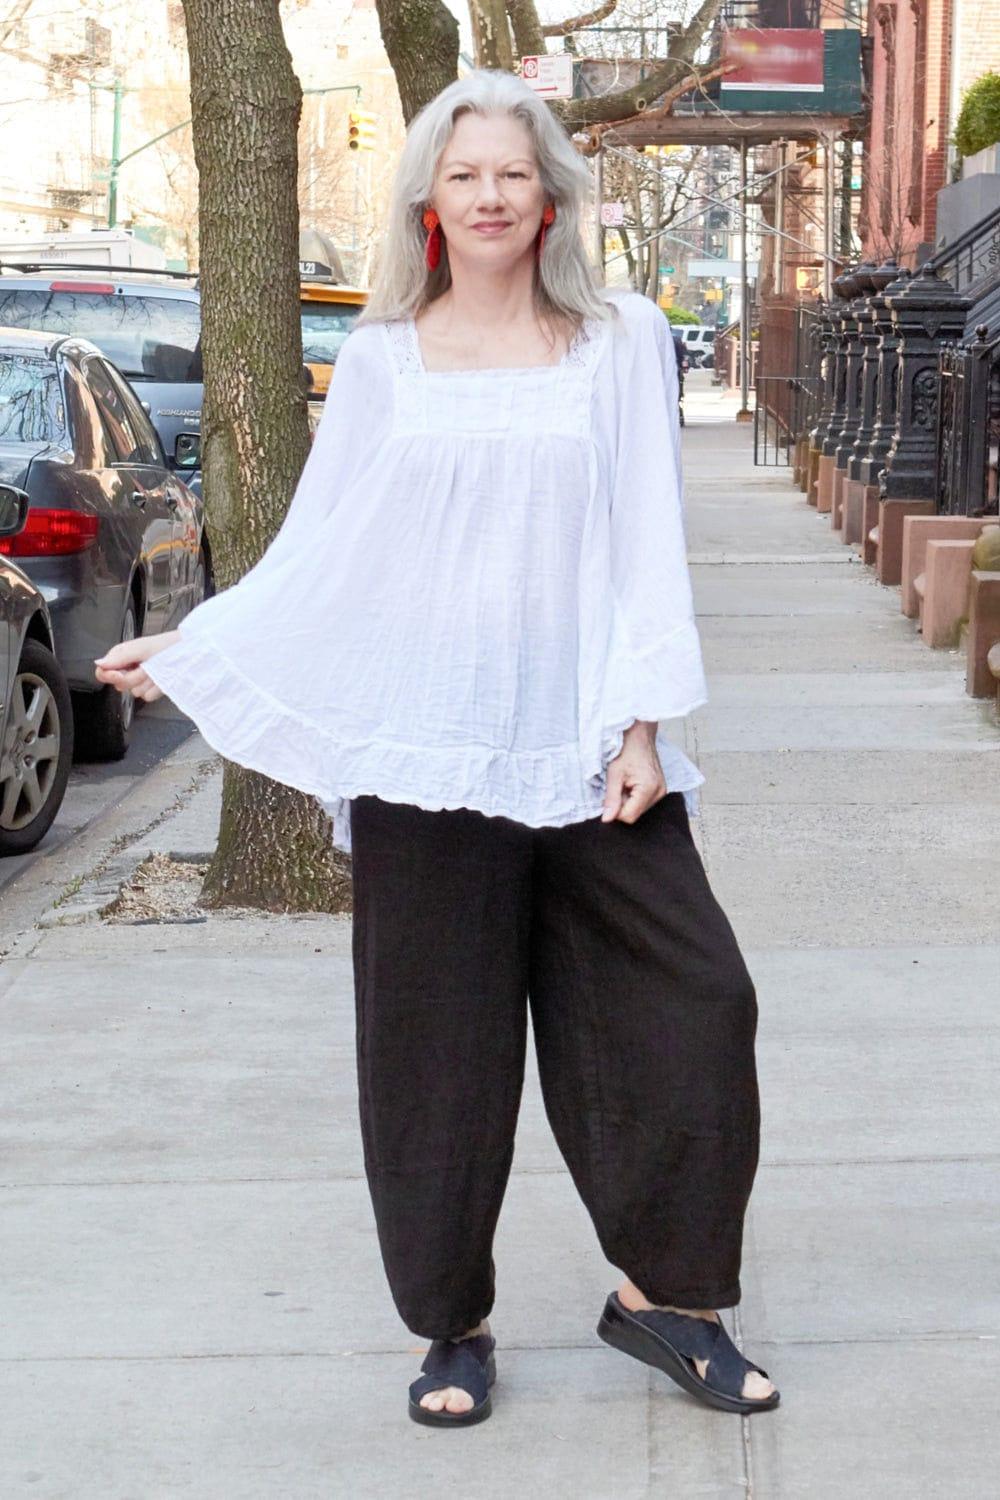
(574, 356)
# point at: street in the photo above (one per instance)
(96, 787)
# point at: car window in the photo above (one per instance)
(125, 441)
(147, 337)
(31, 401)
(148, 440)
(91, 440)
(325, 326)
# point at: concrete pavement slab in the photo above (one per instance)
(880, 1096)
(911, 990)
(751, 644)
(891, 777)
(888, 1420)
(838, 690)
(783, 593)
(569, 1425)
(879, 1250)
(868, 726)
(953, 829)
(250, 1056)
(148, 1270)
(890, 900)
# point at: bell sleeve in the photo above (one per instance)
(654, 670)
(250, 660)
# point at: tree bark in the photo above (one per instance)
(491, 34)
(421, 40)
(529, 38)
(274, 847)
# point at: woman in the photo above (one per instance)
(462, 641)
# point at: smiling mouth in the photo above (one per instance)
(491, 226)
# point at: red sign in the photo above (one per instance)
(773, 61)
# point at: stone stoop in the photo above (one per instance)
(918, 531)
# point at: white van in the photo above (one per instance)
(699, 341)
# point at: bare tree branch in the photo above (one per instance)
(664, 108)
(627, 103)
(580, 23)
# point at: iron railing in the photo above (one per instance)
(974, 257)
(969, 427)
(780, 416)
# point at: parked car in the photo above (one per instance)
(113, 537)
(699, 341)
(36, 717)
(148, 323)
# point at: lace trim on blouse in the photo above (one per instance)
(404, 347)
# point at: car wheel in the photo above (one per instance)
(104, 719)
(199, 589)
(37, 750)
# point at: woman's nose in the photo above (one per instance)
(490, 195)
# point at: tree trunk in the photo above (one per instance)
(274, 847)
(491, 34)
(528, 36)
(421, 40)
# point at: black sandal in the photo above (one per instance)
(671, 1342)
(466, 1363)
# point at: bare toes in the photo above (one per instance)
(757, 1387)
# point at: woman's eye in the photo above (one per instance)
(460, 177)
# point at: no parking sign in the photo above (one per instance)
(550, 75)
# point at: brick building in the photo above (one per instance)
(924, 54)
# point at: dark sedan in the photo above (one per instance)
(36, 719)
(114, 539)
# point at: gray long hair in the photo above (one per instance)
(564, 282)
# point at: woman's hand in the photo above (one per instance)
(122, 667)
(635, 777)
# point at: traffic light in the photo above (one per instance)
(361, 130)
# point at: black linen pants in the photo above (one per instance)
(643, 1015)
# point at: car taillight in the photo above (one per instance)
(52, 533)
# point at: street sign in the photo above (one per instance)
(667, 270)
(612, 214)
(551, 75)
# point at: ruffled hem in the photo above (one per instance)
(541, 789)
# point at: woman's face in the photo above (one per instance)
(487, 192)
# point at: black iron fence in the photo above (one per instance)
(781, 412)
(887, 380)
(969, 427)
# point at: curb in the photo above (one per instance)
(93, 863)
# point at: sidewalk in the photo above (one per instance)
(193, 1300)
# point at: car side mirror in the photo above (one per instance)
(13, 510)
(187, 451)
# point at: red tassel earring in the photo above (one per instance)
(548, 217)
(432, 250)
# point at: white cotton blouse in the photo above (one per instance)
(480, 583)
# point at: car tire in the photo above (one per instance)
(104, 719)
(40, 710)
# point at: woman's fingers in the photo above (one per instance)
(137, 681)
(614, 792)
(629, 794)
